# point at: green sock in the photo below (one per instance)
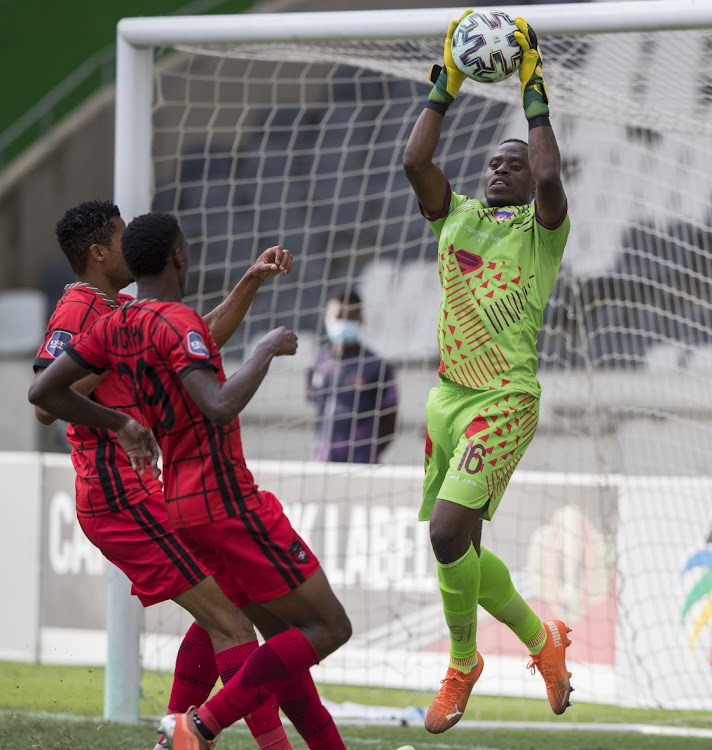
(499, 597)
(459, 588)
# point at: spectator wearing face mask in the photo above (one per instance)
(354, 390)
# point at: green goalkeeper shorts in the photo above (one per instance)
(474, 441)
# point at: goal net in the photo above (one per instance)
(608, 522)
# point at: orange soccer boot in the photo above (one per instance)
(551, 663)
(180, 733)
(450, 702)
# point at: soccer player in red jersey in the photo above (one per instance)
(123, 513)
(163, 351)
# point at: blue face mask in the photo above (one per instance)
(345, 332)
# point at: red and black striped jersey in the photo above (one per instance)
(152, 345)
(105, 480)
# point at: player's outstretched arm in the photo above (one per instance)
(225, 319)
(545, 164)
(544, 157)
(52, 391)
(222, 403)
(426, 178)
(85, 386)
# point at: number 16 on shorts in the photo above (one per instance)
(472, 458)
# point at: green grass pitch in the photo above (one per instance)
(55, 708)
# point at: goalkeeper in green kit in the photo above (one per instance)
(498, 260)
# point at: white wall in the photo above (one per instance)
(20, 554)
(611, 555)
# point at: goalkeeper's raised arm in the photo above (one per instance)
(544, 157)
(426, 178)
(544, 161)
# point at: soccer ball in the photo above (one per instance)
(484, 47)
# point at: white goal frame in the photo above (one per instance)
(137, 39)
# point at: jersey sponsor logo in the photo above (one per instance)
(57, 341)
(297, 551)
(461, 478)
(502, 215)
(196, 345)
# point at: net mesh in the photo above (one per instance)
(301, 145)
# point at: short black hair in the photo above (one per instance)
(147, 243)
(514, 140)
(347, 296)
(89, 223)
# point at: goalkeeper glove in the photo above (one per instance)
(447, 79)
(535, 99)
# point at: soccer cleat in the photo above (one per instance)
(450, 702)
(180, 733)
(551, 663)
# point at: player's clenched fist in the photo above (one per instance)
(281, 340)
(272, 262)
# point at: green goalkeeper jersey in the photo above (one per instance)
(497, 268)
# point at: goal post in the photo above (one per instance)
(617, 338)
(137, 39)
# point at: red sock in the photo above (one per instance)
(300, 702)
(231, 660)
(196, 673)
(263, 721)
(279, 658)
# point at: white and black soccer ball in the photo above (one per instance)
(484, 47)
